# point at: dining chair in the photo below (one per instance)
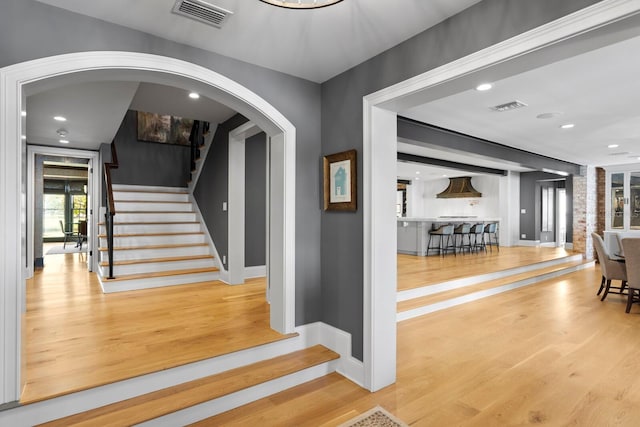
(68, 235)
(631, 247)
(612, 269)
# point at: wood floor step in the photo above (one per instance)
(129, 248)
(150, 223)
(162, 402)
(153, 201)
(152, 260)
(414, 303)
(179, 233)
(158, 274)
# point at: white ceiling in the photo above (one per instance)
(313, 44)
(596, 91)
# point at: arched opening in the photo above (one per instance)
(41, 74)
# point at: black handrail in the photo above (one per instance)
(111, 209)
(196, 137)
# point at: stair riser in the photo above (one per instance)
(127, 255)
(152, 228)
(159, 197)
(152, 267)
(153, 207)
(128, 242)
(136, 284)
(156, 217)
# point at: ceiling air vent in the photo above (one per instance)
(202, 12)
(508, 106)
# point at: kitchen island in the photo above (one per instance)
(413, 233)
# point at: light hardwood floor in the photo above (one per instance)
(551, 353)
(77, 337)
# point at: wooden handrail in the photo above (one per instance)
(111, 206)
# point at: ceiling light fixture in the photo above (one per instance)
(567, 126)
(62, 132)
(60, 119)
(484, 86)
(194, 95)
(612, 146)
(64, 141)
(23, 113)
(301, 4)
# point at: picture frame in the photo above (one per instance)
(163, 128)
(340, 181)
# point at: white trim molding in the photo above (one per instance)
(379, 112)
(31, 76)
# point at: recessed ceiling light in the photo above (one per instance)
(194, 95)
(64, 141)
(567, 126)
(612, 146)
(484, 86)
(444, 176)
(23, 137)
(417, 172)
(417, 178)
(60, 119)
(23, 113)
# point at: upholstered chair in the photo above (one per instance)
(612, 269)
(631, 247)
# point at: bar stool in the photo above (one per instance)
(444, 233)
(462, 230)
(477, 231)
(491, 229)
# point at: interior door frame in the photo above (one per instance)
(94, 184)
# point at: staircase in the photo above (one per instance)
(158, 241)
(428, 299)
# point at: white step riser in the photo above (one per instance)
(127, 255)
(177, 239)
(159, 197)
(152, 267)
(156, 217)
(183, 279)
(153, 228)
(153, 207)
(148, 188)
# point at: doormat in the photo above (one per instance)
(376, 417)
(70, 249)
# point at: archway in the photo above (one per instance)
(36, 75)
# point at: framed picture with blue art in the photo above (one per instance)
(340, 181)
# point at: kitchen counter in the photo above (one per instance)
(413, 233)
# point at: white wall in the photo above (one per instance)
(422, 201)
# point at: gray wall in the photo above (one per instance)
(212, 188)
(255, 200)
(148, 163)
(30, 30)
(480, 26)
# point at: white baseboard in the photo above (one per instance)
(338, 341)
(528, 242)
(255, 271)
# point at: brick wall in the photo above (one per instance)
(584, 211)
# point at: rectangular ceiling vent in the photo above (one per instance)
(508, 106)
(202, 11)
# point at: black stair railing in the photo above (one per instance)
(198, 132)
(111, 209)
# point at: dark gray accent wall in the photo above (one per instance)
(425, 135)
(148, 163)
(45, 31)
(530, 221)
(482, 25)
(212, 188)
(255, 231)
